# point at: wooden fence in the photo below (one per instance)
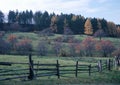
(34, 70)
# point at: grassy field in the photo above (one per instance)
(104, 78)
(36, 38)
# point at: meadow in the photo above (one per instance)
(103, 78)
(36, 38)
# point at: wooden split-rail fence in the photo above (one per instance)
(34, 70)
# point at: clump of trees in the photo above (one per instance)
(57, 46)
(89, 46)
(24, 46)
(116, 52)
(105, 47)
(27, 21)
(12, 39)
(46, 32)
(42, 48)
(4, 46)
(12, 44)
(100, 33)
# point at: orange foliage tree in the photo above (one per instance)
(24, 46)
(79, 49)
(88, 46)
(105, 47)
(12, 39)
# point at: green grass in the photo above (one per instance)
(35, 38)
(69, 79)
(108, 78)
(95, 79)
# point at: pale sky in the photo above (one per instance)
(108, 9)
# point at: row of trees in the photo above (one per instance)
(61, 46)
(38, 21)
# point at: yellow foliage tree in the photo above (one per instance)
(88, 27)
(53, 25)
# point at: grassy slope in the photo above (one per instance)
(36, 38)
(109, 77)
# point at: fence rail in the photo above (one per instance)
(34, 70)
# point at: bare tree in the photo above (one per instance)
(4, 46)
(100, 33)
(57, 47)
(42, 48)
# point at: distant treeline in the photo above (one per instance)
(27, 21)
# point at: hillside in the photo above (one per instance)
(63, 45)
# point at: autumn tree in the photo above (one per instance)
(105, 47)
(57, 47)
(88, 27)
(72, 49)
(53, 24)
(24, 46)
(64, 52)
(117, 52)
(12, 39)
(79, 49)
(112, 29)
(4, 46)
(88, 46)
(99, 33)
(118, 31)
(42, 48)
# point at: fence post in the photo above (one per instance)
(100, 66)
(76, 71)
(89, 68)
(37, 68)
(31, 70)
(109, 65)
(115, 63)
(58, 70)
(106, 64)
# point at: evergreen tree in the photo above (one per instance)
(112, 29)
(1, 20)
(11, 17)
(1, 17)
(94, 23)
